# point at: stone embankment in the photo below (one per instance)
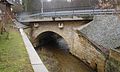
(100, 40)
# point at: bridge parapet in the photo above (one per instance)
(65, 15)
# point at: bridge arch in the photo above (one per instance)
(67, 32)
(50, 38)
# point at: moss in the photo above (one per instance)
(113, 65)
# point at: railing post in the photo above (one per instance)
(73, 14)
(93, 11)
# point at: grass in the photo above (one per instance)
(13, 55)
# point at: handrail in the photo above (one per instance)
(82, 13)
(74, 12)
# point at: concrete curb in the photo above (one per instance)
(35, 60)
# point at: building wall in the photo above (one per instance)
(55, 5)
(60, 5)
(32, 5)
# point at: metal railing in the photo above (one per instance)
(74, 11)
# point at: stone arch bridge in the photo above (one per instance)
(66, 29)
(78, 46)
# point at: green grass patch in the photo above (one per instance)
(13, 54)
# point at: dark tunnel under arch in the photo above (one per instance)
(51, 39)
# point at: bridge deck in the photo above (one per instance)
(67, 15)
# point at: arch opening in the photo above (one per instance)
(51, 40)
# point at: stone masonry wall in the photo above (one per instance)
(88, 53)
(78, 45)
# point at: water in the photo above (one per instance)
(60, 60)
